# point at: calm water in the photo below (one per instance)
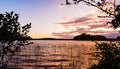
(54, 54)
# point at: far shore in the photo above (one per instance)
(109, 39)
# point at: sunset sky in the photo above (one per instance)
(51, 19)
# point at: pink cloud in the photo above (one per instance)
(97, 26)
(87, 24)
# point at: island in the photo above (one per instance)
(85, 36)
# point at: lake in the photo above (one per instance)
(54, 54)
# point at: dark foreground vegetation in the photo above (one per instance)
(108, 55)
(12, 37)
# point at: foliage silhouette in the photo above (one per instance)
(108, 55)
(109, 52)
(85, 36)
(12, 37)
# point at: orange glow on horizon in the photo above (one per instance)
(42, 36)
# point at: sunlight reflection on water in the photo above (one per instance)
(54, 54)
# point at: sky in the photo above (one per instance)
(51, 19)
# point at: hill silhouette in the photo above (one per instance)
(85, 36)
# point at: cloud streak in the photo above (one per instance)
(87, 24)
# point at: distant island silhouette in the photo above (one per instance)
(85, 36)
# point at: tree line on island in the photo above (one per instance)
(85, 36)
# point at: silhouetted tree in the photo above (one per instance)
(12, 36)
(108, 55)
(85, 36)
(109, 52)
